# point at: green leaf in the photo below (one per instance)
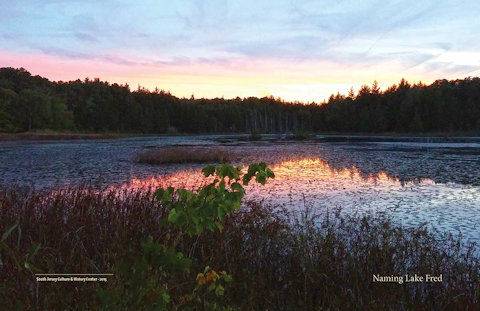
(29, 266)
(182, 194)
(181, 219)
(211, 287)
(222, 184)
(219, 226)
(261, 177)
(9, 231)
(198, 229)
(173, 216)
(164, 195)
(222, 211)
(229, 171)
(158, 194)
(219, 291)
(33, 252)
(246, 179)
(19, 236)
(270, 173)
(166, 297)
(252, 169)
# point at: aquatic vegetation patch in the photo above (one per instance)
(183, 154)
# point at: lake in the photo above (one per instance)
(412, 182)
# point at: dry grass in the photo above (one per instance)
(279, 261)
(181, 154)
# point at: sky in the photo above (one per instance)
(297, 50)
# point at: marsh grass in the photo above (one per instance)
(279, 260)
(182, 154)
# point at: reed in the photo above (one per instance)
(182, 154)
(279, 260)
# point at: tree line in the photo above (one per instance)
(34, 103)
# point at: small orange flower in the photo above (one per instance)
(201, 279)
(212, 276)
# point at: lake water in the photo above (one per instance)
(411, 182)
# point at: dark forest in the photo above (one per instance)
(32, 103)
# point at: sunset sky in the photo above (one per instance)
(297, 50)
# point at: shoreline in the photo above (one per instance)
(434, 137)
(58, 136)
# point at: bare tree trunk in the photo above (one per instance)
(30, 117)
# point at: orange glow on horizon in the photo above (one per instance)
(292, 81)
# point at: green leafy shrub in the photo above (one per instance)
(150, 279)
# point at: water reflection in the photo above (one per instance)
(295, 173)
(315, 183)
(106, 163)
(411, 184)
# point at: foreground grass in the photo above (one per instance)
(278, 260)
(182, 154)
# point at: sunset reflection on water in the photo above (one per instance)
(293, 179)
(311, 182)
(412, 186)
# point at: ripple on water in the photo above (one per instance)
(411, 186)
